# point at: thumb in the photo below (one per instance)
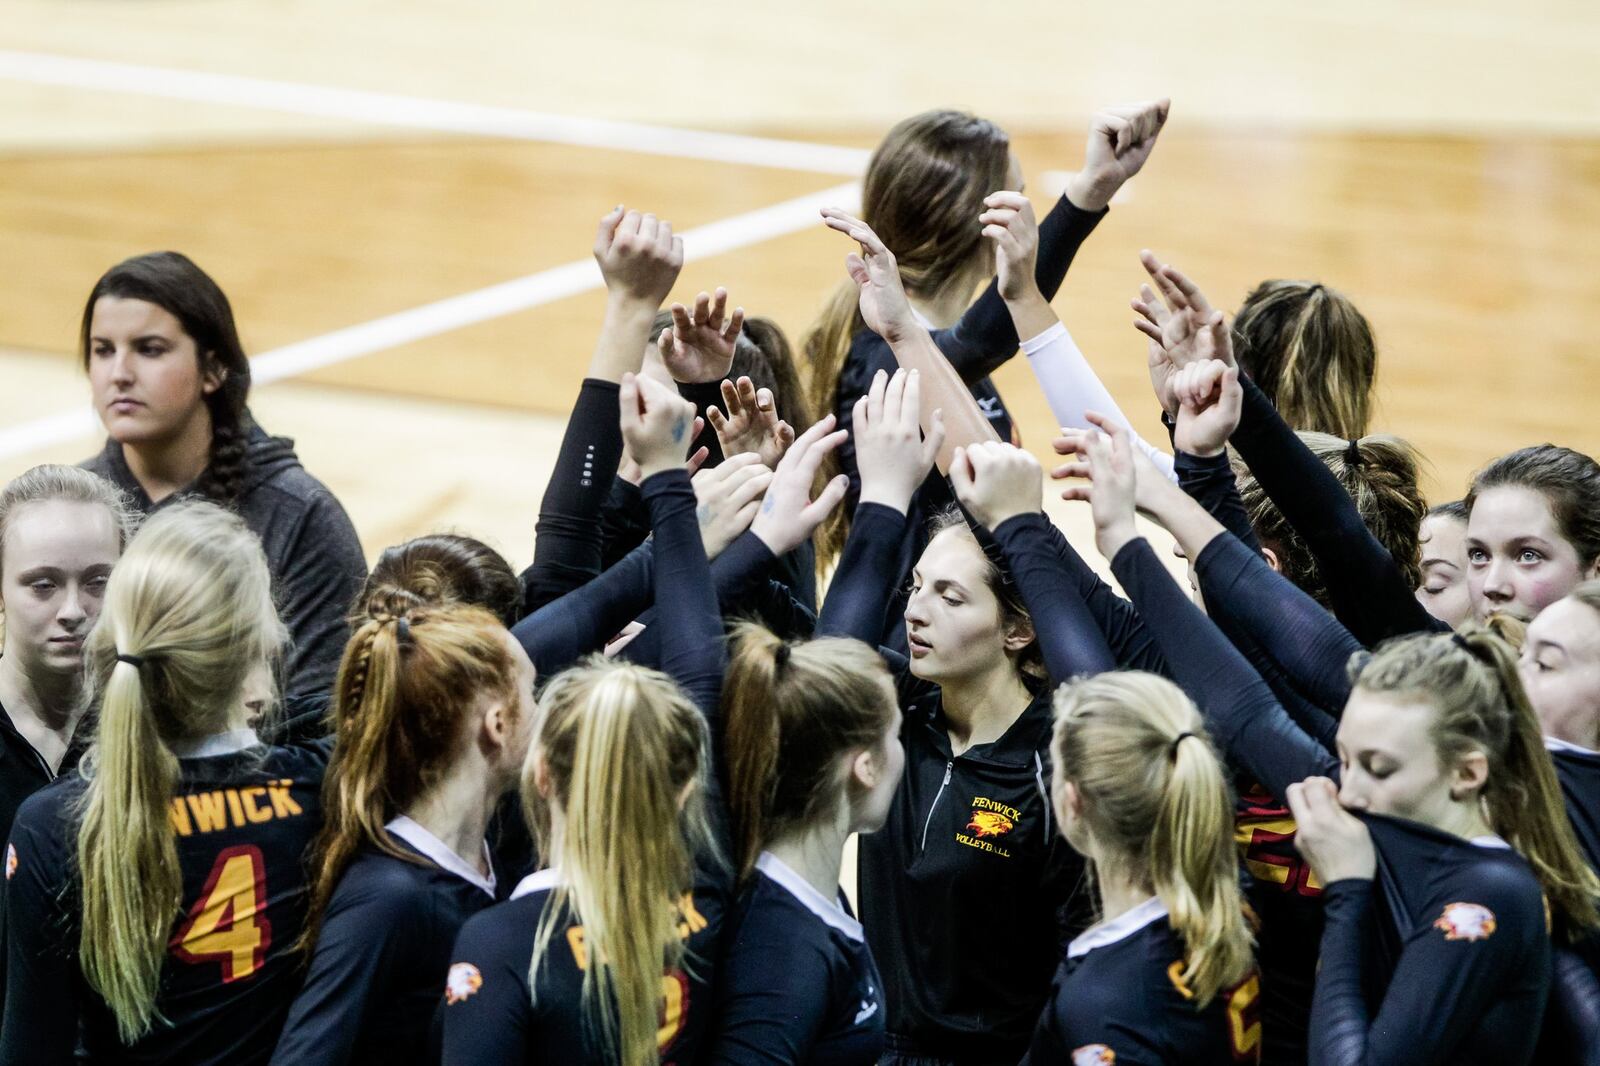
(628, 400)
(1232, 400)
(856, 267)
(961, 473)
(933, 440)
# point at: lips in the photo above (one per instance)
(66, 642)
(917, 645)
(123, 405)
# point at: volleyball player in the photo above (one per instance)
(925, 193)
(171, 383)
(154, 899)
(1166, 975)
(582, 965)
(433, 710)
(814, 755)
(1435, 948)
(1443, 535)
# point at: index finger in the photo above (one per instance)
(1190, 290)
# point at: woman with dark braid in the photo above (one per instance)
(171, 383)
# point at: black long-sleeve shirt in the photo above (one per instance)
(1392, 988)
(977, 345)
(491, 1014)
(967, 888)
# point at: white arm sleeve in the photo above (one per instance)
(1071, 388)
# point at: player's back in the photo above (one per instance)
(242, 820)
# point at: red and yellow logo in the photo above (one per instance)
(990, 824)
(1466, 921)
(1093, 1055)
(463, 982)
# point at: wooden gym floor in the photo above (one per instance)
(400, 201)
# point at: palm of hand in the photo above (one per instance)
(699, 353)
(758, 432)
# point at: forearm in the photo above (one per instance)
(686, 601)
(858, 595)
(1210, 482)
(567, 548)
(624, 332)
(570, 627)
(1071, 642)
(942, 389)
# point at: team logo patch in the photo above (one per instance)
(1466, 921)
(11, 860)
(462, 983)
(989, 824)
(1093, 1055)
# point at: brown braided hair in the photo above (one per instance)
(174, 283)
(444, 568)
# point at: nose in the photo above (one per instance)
(1497, 582)
(1351, 795)
(917, 609)
(72, 613)
(122, 367)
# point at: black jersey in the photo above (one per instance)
(493, 1017)
(1119, 997)
(799, 984)
(1578, 770)
(242, 817)
(1444, 957)
(378, 970)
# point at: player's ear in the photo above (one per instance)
(866, 768)
(541, 774)
(1471, 773)
(1272, 560)
(497, 722)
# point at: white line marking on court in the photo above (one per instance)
(413, 112)
(481, 305)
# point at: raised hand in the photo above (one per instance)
(656, 424)
(1334, 841)
(729, 495)
(1107, 459)
(629, 471)
(1120, 141)
(884, 305)
(698, 346)
(1008, 221)
(751, 423)
(1209, 404)
(788, 515)
(638, 256)
(996, 481)
(891, 453)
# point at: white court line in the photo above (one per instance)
(481, 305)
(414, 112)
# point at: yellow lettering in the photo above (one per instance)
(283, 804)
(693, 920)
(210, 814)
(234, 807)
(252, 797)
(180, 818)
(580, 950)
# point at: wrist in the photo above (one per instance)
(652, 467)
(771, 536)
(1113, 538)
(994, 519)
(1090, 192)
(893, 497)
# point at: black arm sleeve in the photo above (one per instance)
(1124, 630)
(1440, 987)
(624, 522)
(1211, 484)
(985, 337)
(1365, 585)
(692, 652)
(859, 593)
(566, 546)
(1245, 595)
(1248, 723)
(564, 630)
(1072, 643)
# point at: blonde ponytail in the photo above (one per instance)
(1156, 797)
(622, 746)
(190, 604)
(826, 348)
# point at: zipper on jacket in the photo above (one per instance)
(949, 766)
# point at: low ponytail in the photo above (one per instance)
(790, 711)
(187, 618)
(1155, 796)
(826, 348)
(1471, 678)
(621, 745)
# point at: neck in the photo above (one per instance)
(1583, 731)
(946, 306)
(816, 854)
(979, 709)
(1467, 820)
(165, 466)
(1120, 890)
(44, 709)
(457, 811)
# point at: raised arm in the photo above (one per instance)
(1247, 720)
(999, 485)
(639, 258)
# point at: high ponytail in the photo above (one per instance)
(790, 712)
(621, 745)
(1312, 352)
(191, 604)
(409, 677)
(1471, 678)
(1156, 797)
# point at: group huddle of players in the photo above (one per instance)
(1338, 801)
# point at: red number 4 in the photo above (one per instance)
(228, 923)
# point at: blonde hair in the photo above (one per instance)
(192, 599)
(70, 484)
(622, 745)
(399, 701)
(790, 711)
(1154, 793)
(1471, 679)
(1312, 352)
(922, 195)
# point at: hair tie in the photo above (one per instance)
(780, 658)
(1461, 642)
(1172, 751)
(134, 661)
(403, 631)
(1352, 454)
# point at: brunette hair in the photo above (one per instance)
(1568, 480)
(1311, 352)
(174, 283)
(791, 710)
(444, 568)
(1471, 679)
(1381, 480)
